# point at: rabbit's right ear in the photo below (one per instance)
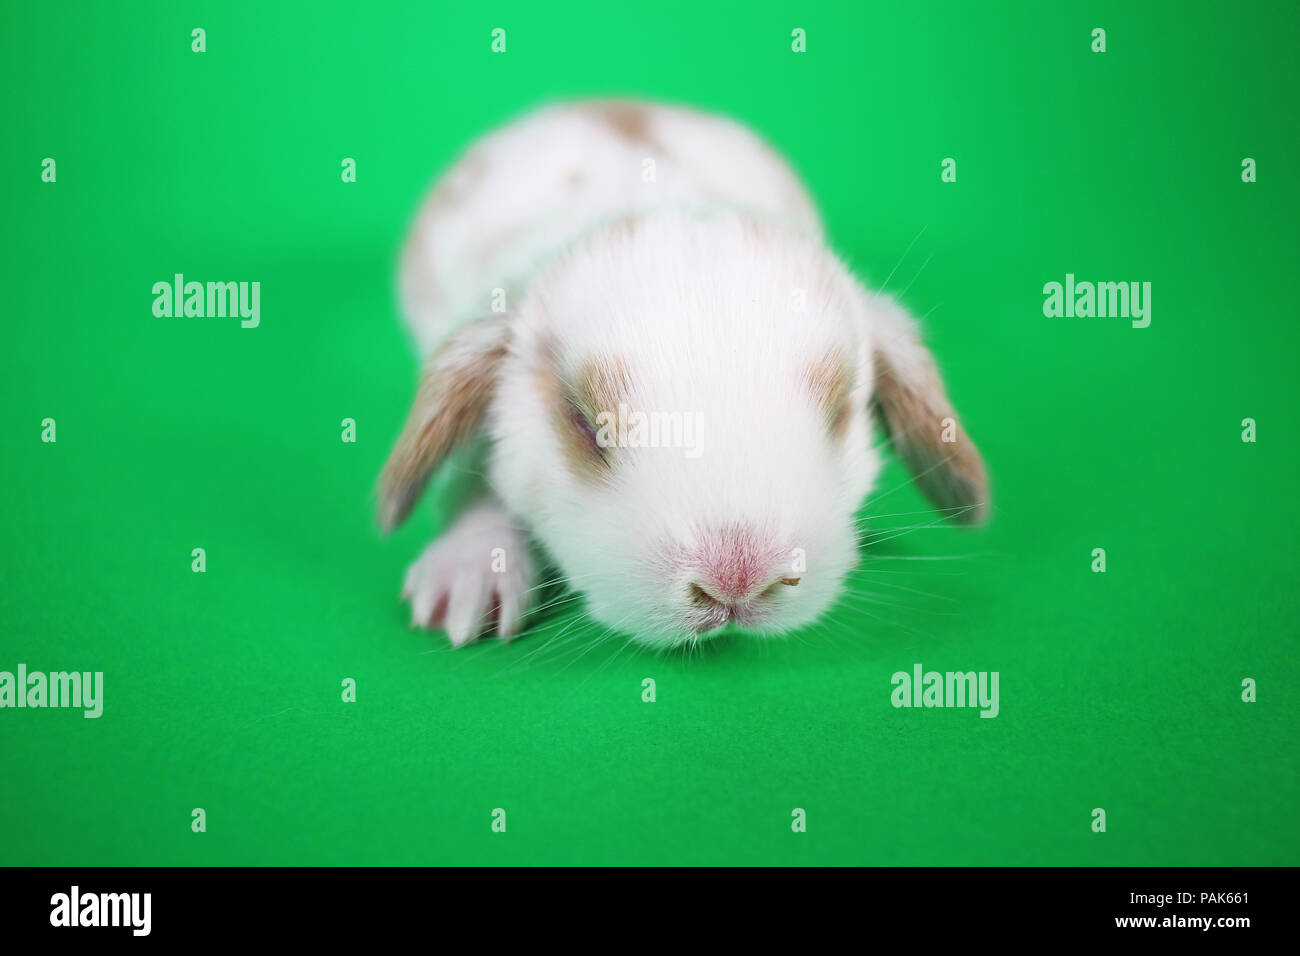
(919, 419)
(455, 388)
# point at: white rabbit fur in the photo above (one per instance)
(702, 289)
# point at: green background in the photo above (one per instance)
(1118, 690)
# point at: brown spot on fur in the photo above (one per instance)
(628, 119)
(576, 402)
(603, 384)
(830, 380)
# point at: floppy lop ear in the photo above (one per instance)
(455, 388)
(920, 421)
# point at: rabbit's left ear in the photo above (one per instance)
(919, 419)
(455, 389)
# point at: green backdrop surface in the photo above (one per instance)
(1119, 690)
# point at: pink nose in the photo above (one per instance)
(732, 568)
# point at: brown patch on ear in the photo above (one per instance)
(830, 380)
(453, 394)
(926, 433)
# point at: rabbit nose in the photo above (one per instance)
(704, 598)
(710, 597)
(728, 579)
(731, 569)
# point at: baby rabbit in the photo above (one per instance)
(593, 282)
